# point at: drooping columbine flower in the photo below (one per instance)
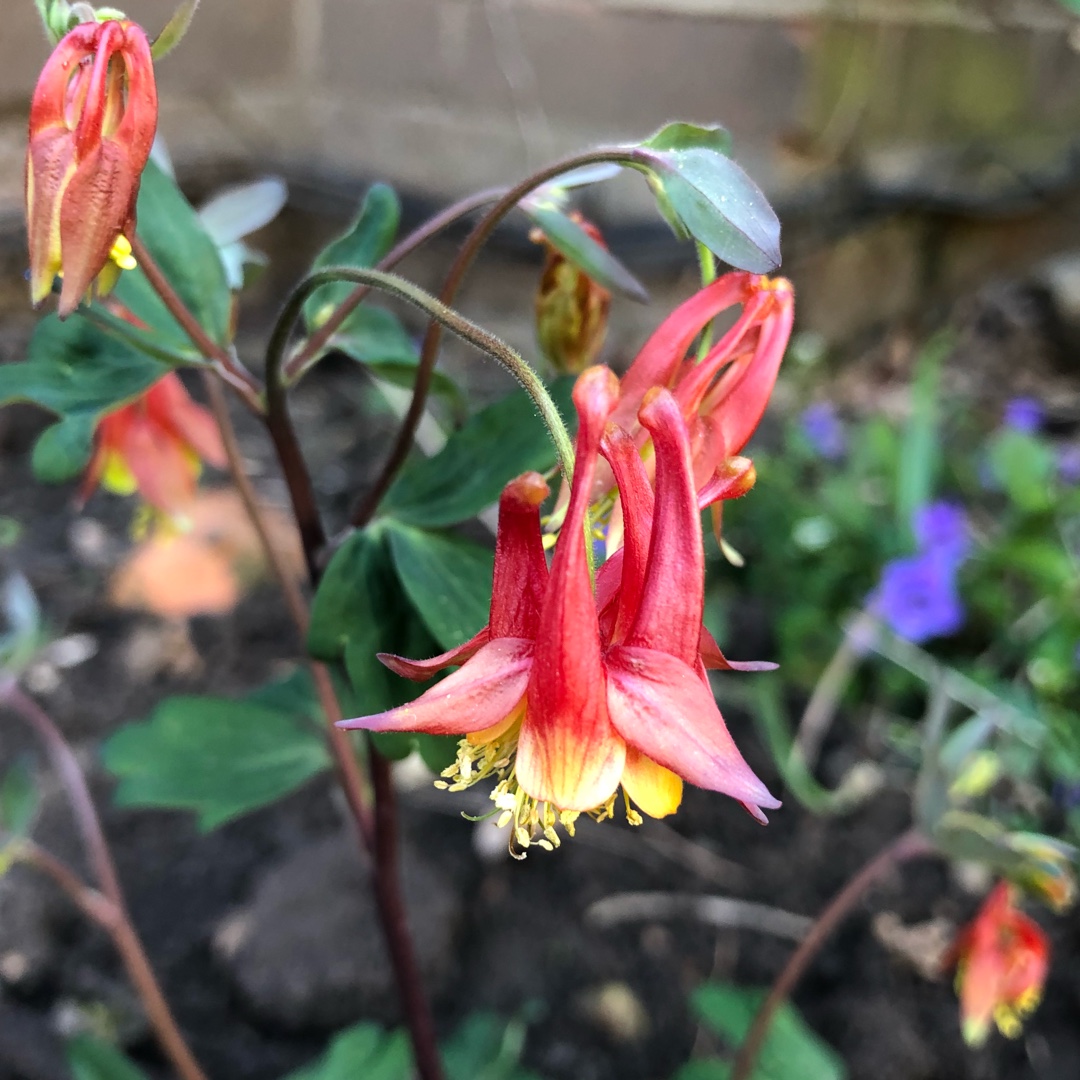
(155, 446)
(92, 123)
(1001, 959)
(564, 710)
(571, 308)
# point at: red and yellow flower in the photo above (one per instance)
(92, 123)
(570, 695)
(1001, 960)
(155, 446)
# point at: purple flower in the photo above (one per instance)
(941, 528)
(1068, 464)
(917, 597)
(824, 430)
(1024, 414)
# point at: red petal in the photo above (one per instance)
(662, 354)
(419, 670)
(521, 572)
(673, 597)
(170, 405)
(663, 708)
(566, 712)
(715, 660)
(636, 500)
(163, 470)
(479, 695)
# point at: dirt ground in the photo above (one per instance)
(261, 931)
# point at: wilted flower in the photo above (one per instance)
(155, 445)
(917, 597)
(1001, 959)
(824, 430)
(1024, 414)
(92, 123)
(571, 308)
(569, 695)
(941, 529)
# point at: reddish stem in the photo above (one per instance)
(910, 845)
(113, 916)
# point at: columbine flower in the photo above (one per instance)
(823, 430)
(1024, 414)
(917, 597)
(562, 708)
(1001, 959)
(571, 308)
(155, 446)
(92, 123)
(941, 528)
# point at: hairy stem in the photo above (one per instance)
(296, 365)
(468, 331)
(220, 358)
(115, 919)
(430, 349)
(910, 845)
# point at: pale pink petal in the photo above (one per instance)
(662, 707)
(479, 695)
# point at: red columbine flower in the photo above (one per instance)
(92, 123)
(562, 708)
(571, 308)
(155, 446)
(1001, 961)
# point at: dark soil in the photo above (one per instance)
(516, 942)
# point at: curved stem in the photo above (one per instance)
(115, 919)
(908, 846)
(456, 274)
(442, 315)
(309, 352)
(223, 360)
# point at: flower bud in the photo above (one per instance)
(571, 309)
(92, 123)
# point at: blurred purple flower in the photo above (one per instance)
(941, 528)
(917, 597)
(1068, 464)
(824, 430)
(1024, 414)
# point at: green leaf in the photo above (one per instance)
(583, 251)
(792, 1050)
(920, 454)
(91, 1058)
(189, 259)
(447, 578)
(1025, 468)
(469, 473)
(371, 335)
(217, 757)
(705, 194)
(486, 1047)
(362, 1051)
(19, 798)
(368, 239)
(359, 611)
(174, 30)
(80, 373)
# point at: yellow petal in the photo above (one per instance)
(117, 476)
(656, 791)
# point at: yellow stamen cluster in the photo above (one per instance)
(1010, 1016)
(491, 753)
(120, 253)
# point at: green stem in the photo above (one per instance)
(443, 315)
(707, 262)
(456, 274)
